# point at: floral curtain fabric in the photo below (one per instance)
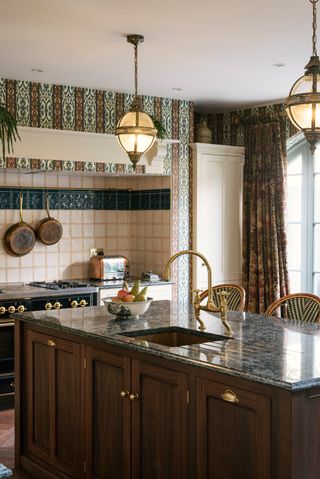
(265, 274)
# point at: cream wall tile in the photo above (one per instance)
(87, 182)
(26, 275)
(13, 262)
(3, 275)
(13, 275)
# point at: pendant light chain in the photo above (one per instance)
(314, 27)
(136, 69)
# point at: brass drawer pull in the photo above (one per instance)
(134, 396)
(229, 396)
(51, 342)
(13, 385)
(124, 394)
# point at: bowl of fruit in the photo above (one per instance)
(128, 302)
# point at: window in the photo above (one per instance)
(303, 218)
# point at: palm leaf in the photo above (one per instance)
(8, 130)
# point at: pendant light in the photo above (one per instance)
(303, 102)
(135, 131)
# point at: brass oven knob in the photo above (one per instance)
(48, 306)
(11, 309)
(21, 308)
(57, 305)
(74, 304)
(83, 303)
(2, 310)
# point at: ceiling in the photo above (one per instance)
(221, 54)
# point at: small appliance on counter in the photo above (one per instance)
(108, 267)
(150, 276)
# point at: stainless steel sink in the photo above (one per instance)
(174, 336)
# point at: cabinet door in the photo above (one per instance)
(108, 415)
(53, 401)
(159, 423)
(232, 438)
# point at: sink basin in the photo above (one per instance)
(174, 336)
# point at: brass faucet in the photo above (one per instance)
(209, 306)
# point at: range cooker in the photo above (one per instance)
(33, 297)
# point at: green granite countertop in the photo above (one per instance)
(267, 350)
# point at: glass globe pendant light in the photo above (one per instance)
(135, 131)
(303, 102)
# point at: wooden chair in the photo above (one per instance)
(298, 306)
(236, 298)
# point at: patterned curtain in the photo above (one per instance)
(265, 274)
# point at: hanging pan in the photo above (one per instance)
(49, 230)
(20, 237)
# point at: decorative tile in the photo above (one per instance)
(110, 200)
(68, 166)
(23, 163)
(89, 109)
(89, 166)
(11, 162)
(23, 103)
(66, 200)
(36, 199)
(68, 108)
(46, 105)
(123, 200)
(155, 200)
(5, 199)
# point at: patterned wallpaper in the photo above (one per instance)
(231, 128)
(84, 109)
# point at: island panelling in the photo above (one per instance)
(94, 404)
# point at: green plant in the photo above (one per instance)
(8, 130)
(162, 132)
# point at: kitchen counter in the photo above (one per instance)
(25, 291)
(117, 283)
(266, 350)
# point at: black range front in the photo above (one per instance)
(48, 302)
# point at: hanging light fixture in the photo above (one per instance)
(135, 131)
(303, 102)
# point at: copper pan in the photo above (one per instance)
(20, 238)
(49, 230)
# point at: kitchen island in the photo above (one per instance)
(96, 400)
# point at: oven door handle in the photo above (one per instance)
(4, 324)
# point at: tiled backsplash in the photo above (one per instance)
(112, 199)
(141, 235)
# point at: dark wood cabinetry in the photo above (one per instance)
(52, 401)
(159, 422)
(89, 410)
(232, 431)
(108, 415)
(137, 419)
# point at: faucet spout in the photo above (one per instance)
(195, 253)
(210, 306)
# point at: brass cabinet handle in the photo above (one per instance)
(48, 306)
(2, 310)
(57, 305)
(83, 303)
(51, 342)
(229, 396)
(11, 309)
(124, 394)
(133, 396)
(74, 304)
(21, 308)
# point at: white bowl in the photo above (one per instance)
(125, 309)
